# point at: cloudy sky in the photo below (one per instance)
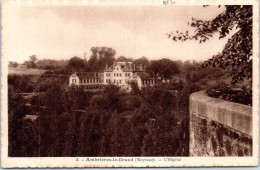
(61, 32)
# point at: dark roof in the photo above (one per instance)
(125, 66)
(87, 75)
(144, 75)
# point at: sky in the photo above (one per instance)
(61, 32)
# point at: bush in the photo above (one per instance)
(239, 95)
(129, 102)
(21, 83)
(99, 102)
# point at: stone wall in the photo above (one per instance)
(219, 128)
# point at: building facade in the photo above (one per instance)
(120, 74)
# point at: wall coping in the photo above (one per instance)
(234, 115)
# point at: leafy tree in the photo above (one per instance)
(12, 64)
(101, 56)
(76, 63)
(124, 59)
(16, 111)
(31, 63)
(21, 83)
(50, 64)
(142, 61)
(112, 93)
(164, 68)
(237, 53)
(33, 58)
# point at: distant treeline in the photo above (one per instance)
(102, 57)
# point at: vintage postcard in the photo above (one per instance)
(160, 83)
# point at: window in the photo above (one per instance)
(120, 81)
(120, 74)
(114, 81)
(108, 74)
(115, 74)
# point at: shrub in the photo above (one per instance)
(129, 102)
(239, 95)
(99, 101)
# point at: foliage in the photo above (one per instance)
(21, 84)
(31, 63)
(100, 57)
(46, 81)
(134, 88)
(225, 92)
(72, 122)
(124, 59)
(77, 64)
(142, 61)
(16, 111)
(237, 53)
(50, 64)
(12, 64)
(164, 68)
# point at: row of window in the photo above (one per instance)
(118, 74)
(147, 82)
(89, 81)
(109, 81)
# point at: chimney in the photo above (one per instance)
(106, 65)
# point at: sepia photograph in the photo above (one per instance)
(111, 84)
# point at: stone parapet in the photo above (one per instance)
(218, 127)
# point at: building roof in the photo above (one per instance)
(144, 75)
(125, 66)
(87, 75)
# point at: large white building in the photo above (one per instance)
(120, 74)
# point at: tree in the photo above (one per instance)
(101, 56)
(12, 64)
(164, 68)
(124, 59)
(33, 58)
(76, 63)
(237, 53)
(50, 64)
(31, 62)
(142, 61)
